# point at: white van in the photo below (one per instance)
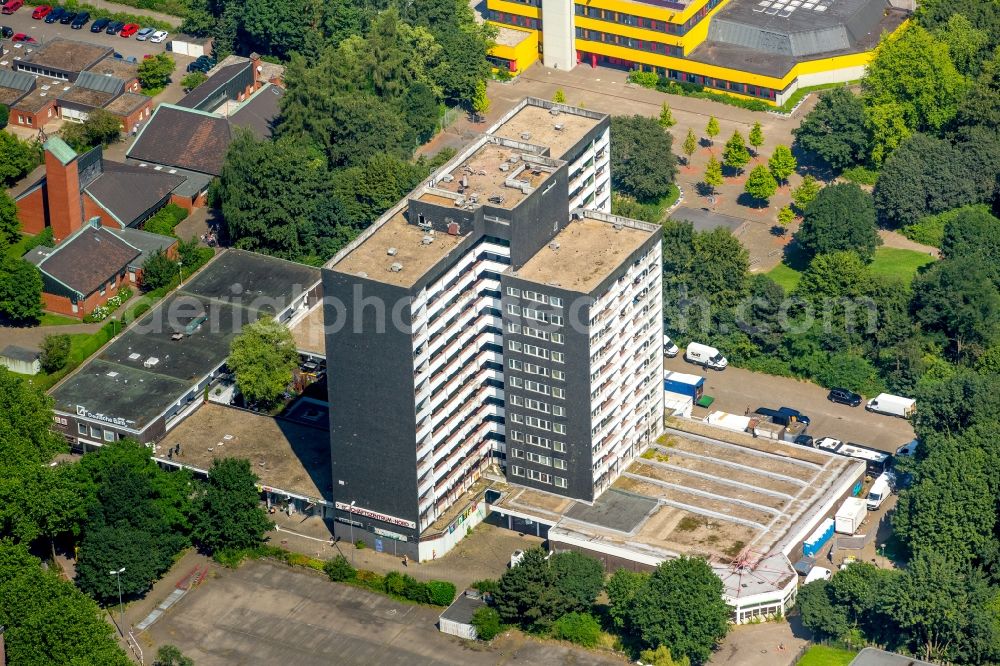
(669, 348)
(818, 573)
(893, 405)
(880, 490)
(704, 355)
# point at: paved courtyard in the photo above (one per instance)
(264, 613)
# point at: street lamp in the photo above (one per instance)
(180, 272)
(353, 546)
(121, 611)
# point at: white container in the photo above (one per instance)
(850, 515)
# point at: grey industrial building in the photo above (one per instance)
(497, 315)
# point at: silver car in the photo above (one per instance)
(144, 34)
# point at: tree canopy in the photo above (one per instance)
(230, 515)
(262, 357)
(836, 129)
(642, 164)
(842, 217)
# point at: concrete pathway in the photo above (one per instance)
(899, 241)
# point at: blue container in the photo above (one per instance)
(818, 538)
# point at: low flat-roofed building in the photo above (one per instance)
(131, 108)
(14, 86)
(745, 504)
(456, 620)
(35, 109)
(63, 59)
(155, 373)
(21, 360)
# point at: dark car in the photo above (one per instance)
(81, 20)
(114, 27)
(68, 17)
(56, 14)
(844, 397)
(799, 416)
(804, 440)
(100, 24)
(783, 416)
(5, 32)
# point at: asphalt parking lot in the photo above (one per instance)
(264, 613)
(735, 390)
(21, 21)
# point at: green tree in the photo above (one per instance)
(621, 589)
(981, 105)
(836, 129)
(480, 101)
(367, 190)
(839, 274)
(4, 115)
(10, 227)
(760, 184)
(661, 657)
(966, 43)
(642, 164)
(486, 622)
(262, 358)
(782, 163)
(806, 192)
(681, 607)
(666, 117)
(972, 231)
(690, 146)
(26, 414)
(713, 174)
(735, 154)
(712, 129)
(580, 628)
(756, 137)
(842, 217)
(959, 299)
(154, 73)
(527, 594)
(193, 80)
(101, 128)
(231, 516)
(55, 352)
(275, 26)
(339, 569)
(170, 655)
(786, 216)
(578, 576)
(158, 270)
(559, 97)
(820, 613)
(20, 291)
(17, 158)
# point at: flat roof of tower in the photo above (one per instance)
(534, 123)
(586, 252)
(396, 242)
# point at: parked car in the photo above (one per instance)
(879, 491)
(669, 348)
(781, 416)
(158, 36)
(114, 27)
(11, 6)
(794, 413)
(844, 397)
(41, 11)
(82, 19)
(56, 14)
(129, 29)
(893, 405)
(67, 17)
(5, 32)
(706, 356)
(100, 24)
(144, 34)
(22, 37)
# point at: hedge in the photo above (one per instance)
(165, 219)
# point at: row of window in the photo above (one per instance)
(529, 295)
(541, 424)
(630, 42)
(537, 387)
(541, 477)
(536, 351)
(710, 82)
(667, 27)
(533, 369)
(96, 433)
(537, 405)
(535, 333)
(538, 440)
(538, 458)
(515, 19)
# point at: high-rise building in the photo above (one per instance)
(757, 49)
(499, 313)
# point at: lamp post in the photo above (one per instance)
(180, 272)
(121, 611)
(354, 548)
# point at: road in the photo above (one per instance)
(264, 613)
(21, 21)
(736, 389)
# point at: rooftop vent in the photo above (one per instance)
(391, 252)
(514, 159)
(496, 199)
(447, 178)
(465, 181)
(112, 374)
(150, 362)
(427, 240)
(554, 111)
(618, 226)
(396, 267)
(504, 167)
(525, 136)
(134, 356)
(362, 274)
(453, 228)
(553, 246)
(560, 127)
(460, 201)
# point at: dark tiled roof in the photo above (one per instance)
(260, 111)
(212, 85)
(129, 191)
(37, 255)
(187, 139)
(88, 259)
(147, 243)
(20, 353)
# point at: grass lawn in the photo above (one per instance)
(822, 655)
(18, 249)
(891, 261)
(50, 319)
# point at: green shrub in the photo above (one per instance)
(165, 219)
(414, 590)
(486, 586)
(580, 628)
(860, 175)
(44, 237)
(339, 569)
(394, 583)
(486, 621)
(929, 230)
(442, 592)
(644, 79)
(360, 545)
(370, 580)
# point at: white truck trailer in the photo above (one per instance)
(850, 515)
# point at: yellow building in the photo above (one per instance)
(762, 49)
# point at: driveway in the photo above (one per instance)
(736, 389)
(264, 613)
